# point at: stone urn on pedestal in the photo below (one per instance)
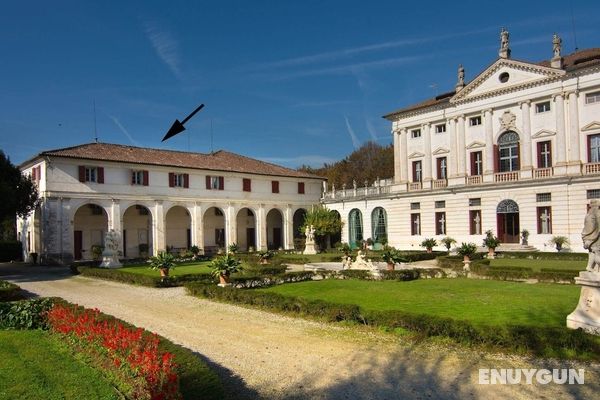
(467, 250)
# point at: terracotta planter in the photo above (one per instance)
(223, 279)
(430, 251)
(390, 266)
(264, 261)
(164, 272)
(466, 259)
(491, 252)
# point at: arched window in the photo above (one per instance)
(355, 228)
(507, 207)
(508, 152)
(379, 225)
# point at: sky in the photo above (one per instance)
(289, 82)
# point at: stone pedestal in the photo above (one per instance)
(587, 313)
(309, 248)
(110, 260)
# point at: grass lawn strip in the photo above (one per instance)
(182, 269)
(483, 302)
(36, 365)
(537, 265)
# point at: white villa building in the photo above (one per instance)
(159, 199)
(517, 148)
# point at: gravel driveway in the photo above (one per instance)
(264, 355)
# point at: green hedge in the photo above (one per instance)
(269, 280)
(9, 291)
(552, 342)
(543, 255)
(512, 273)
(11, 251)
(25, 314)
(143, 280)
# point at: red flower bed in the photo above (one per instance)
(128, 350)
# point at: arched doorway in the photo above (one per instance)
(298, 221)
(178, 225)
(137, 232)
(508, 152)
(355, 228)
(246, 229)
(507, 218)
(214, 230)
(90, 224)
(379, 226)
(274, 229)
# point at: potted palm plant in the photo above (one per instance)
(491, 242)
(467, 250)
(559, 242)
(264, 256)
(233, 248)
(224, 266)
(429, 244)
(391, 256)
(163, 262)
(524, 237)
(448, 242)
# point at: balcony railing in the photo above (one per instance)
(440, 183)
(474, 180)
(542, 173)
(591, 169)
(415, 186)
(506, 176)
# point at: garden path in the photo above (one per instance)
(264, 355)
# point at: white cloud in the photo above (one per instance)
(166, 47)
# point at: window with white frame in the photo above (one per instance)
(591, 98)
(441, 128)
(594, 148)
(541, 197)
(91, 174)
(593, 194)
(474, 121)
(542, 107)
(137, 177)
(415, 133)
(179, 180)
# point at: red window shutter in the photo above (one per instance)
(81, 173)
(146, 178)
(473, 164)
(539, 220)
(438, 167)
(133, 177)
(496, 159)
(589, 148)
(414, 171)
(275, 186)
(539, 154)
(100, 174)
(171, 179)
(246, 185)
(208, 182)
(221, 183)
(549, 154)
(186, 180)
(33, 174)
(300, 187)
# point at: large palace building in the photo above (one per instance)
(517, 148)
(159, 199)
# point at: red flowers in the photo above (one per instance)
(129, 349)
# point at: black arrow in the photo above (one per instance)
(178, 127)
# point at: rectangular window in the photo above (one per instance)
(475, 202)
(442, 168)
(417, 171)
(415, 206)
(179, 181)
(476, 163)
(594, 148)
(215, 182)
(475, 222)
(300, 187)
(544, 220)
(542, 107)
(474, 121)
(91, 174)
(139, 178)
(591, 98)
(440, 204)
(544, 154)
(440, 223)
(274, 186)
(415, 224)
(441, 128)
(36, 173)
(593, 194)
(415, 133)
(246, 185)
(540, 197)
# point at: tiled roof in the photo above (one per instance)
(217, 161)
(572, 62)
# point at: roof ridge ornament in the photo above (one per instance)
(460, 84)
(504, 44)
(556, 61)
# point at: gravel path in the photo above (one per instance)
(264, 355)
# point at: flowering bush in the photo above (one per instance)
(129, 352)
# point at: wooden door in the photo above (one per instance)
(277, 238)
(78, 244)
(251, 237)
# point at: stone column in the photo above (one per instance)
(463, 163)
(261, 228)
(574, 137)
(561, 147)
(65, 230)
(526, 150)
(489, 142)
(288, 228)
(197, 226)
(158, 228)
(453, 157)
(115, 222)
(405, 166)
(397, 157)
(427, 177)
(230, 226)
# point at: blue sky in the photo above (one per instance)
(290, 82)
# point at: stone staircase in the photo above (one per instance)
(516, 247)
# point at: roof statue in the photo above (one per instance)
(461, 78)
(504, 41)
(556, 61)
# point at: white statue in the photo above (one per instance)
(503, 39)
(110, 255)
(591, 236)
(556, 45)
(309, 247)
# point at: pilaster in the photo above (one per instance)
(427, 177)
(489, 142)
(158, 228)
(526, 148)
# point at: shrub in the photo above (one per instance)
(163, 260)
(490, 241)
(467, 249)
(9, 291)
(542, 255)
(401, 275)
(429, 243)
(448, 242)
(24, 314)
(356, 274)
(11, 251)
(143, 280)
(97, 251)
(559, 242)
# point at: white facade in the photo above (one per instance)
(523, 132)
(76, 213)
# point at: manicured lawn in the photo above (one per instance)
(484, 302)
(536, 265)
(35, 365)
(183, 269)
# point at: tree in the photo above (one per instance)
(325, 222)
(18, 193)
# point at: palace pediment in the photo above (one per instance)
(592, 126)
(440, 150)
(475, 145)
(543, 133)
(416, 154)
(505, 76)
